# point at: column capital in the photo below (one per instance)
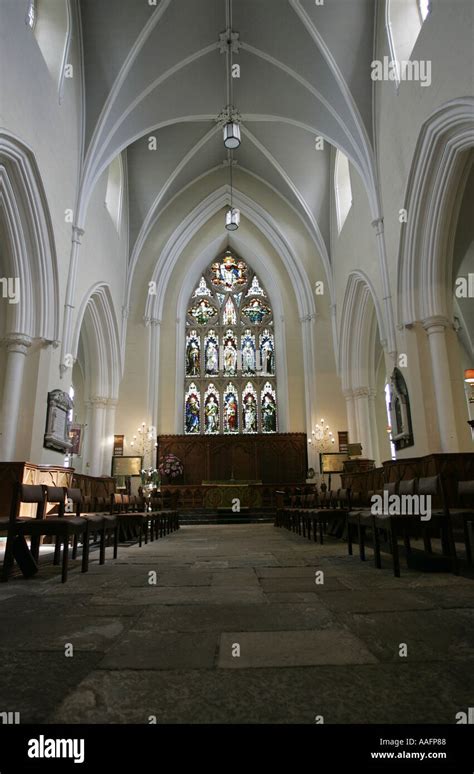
(17, 342)
(377, 224)
(98, 401)
(361, 392)
(348, 394)
(112, 402)
(436, 324)
(77, 234)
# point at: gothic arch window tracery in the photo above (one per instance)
(230, 377)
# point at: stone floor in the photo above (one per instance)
(236, 630)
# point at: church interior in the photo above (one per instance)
(237, 361)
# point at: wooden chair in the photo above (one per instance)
(408, 526)
(466, 497)
(361, 519)
(130, 522)
(61, 527)
(103, 523)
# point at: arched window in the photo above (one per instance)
(31, 14)
(230, 383)
(343, 190)
(404, 20)
(114, 192)
(50, 21)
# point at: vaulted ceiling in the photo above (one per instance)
(305, 72)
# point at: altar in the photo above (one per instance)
(222, 495)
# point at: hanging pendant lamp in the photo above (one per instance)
(232, 216)
(231, 135)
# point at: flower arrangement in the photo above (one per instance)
(150, 478)
(171, 466)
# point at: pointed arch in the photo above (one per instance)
(426, 246)
(360, 318)
(97, 325)
(31, 252)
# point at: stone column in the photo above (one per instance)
(154, 327)
(17, 348)
(96, 436)
(361, 395)
(373, 427)
(108, 444)
(77, 234)
(307, 331)
(351, 416)
(378, 225)
(436, 327)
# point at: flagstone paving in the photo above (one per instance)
(236, 624)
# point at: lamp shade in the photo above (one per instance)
(231, 135)
(469, 375)
(232, 219)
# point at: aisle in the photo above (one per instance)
(237, 630)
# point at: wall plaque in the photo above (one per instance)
(58, 422)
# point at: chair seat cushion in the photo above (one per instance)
(110, 521)
(65, 525)
(95, 519)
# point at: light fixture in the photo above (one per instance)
(232, 219)
(232, 216)
(469, 375)
(229, 118)
(231, 135)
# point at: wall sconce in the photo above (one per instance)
(469, 380)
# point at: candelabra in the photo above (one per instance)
(143, 442)
(322, 437)
(322, 440)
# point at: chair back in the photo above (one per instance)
(56, 494)
(466, 492)
(407, 487)
(390, 487)
(32, 494)
(279, 500)
(433, 485)
(75, 495)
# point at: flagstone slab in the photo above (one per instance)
(291, 648)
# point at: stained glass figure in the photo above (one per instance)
(255, 289)
(211, 352)
(267, 353)
(229, 317)
(231, 410)
(230, 354)
(193, 354)
(248, 353)
(269, 411)
(203, 312)
(192, 422)
(229, 274)
(256, 310)
(249, 409)
(202, 289)
(211, 411)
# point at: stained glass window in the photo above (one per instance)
(230, 371)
